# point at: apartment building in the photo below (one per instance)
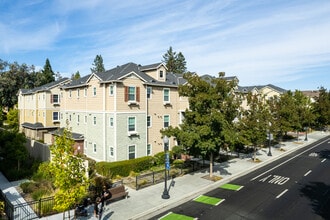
(120, 112)
(39, 109)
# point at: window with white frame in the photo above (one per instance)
(94, 120)
(70, 93)
(111, 122)
(70, 117)
(85, 120)
(148, 149)
(78, 118)
(161, 74)
(131, 93)
(131, 124)
(166, 93)
(149, 92)
(85, 92)
(181, 117)
(131, 152)
(56, 116)
(148, 121)
(94, 147)
(78, 93)
(166, 121)
(111, 90)
(111, 151)
(94, 91)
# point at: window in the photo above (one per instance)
(132, 94)
(78, 93)
(131, 152)
(94, 120)
(166, 93)
(166, 121)
(94, 91)
(111, 90)
(131, 124)
(148, 121)
(85, 119)
(161, 74)
(111, 121)
(182, 115)
(94, 148)
(78, 118)
(111, 151)
(55, 98)
(56, 116)
(70, 91)
(148, 149)
(149, 91)
(85, 92)
(69, 117)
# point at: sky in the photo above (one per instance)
(281, 42)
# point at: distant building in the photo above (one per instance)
(39, 109)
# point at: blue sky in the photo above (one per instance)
(282, 42)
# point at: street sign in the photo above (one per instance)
(167, 165)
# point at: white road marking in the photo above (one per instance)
(287, 160)
(281, 194)
(308, 173)
(323, 160)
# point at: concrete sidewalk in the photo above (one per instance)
(147, 202)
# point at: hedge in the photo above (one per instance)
(123, 168)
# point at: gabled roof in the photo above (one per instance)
(246, 89)
(45, 87)
(152, 66)
(118, 73)
(280, 90)
(36, 126)
(77, 82)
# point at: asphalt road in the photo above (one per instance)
(296, 186)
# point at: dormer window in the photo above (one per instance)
(161, 74)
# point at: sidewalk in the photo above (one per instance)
(147, 202)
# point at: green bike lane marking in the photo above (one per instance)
(174, 216)
(231, 187)
(209, 200)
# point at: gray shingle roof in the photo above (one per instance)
(119, 72)
(45, 87)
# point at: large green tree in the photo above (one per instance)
(12, 119)
(322, 108)
(98, 65)
(255, 121)
(69, 173)
(175, 62)
(208, 124)
(46, 75)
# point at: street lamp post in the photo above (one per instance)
(269, 141)
(167, 164)
(306, 129)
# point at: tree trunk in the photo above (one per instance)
(211, 165)
(254, 153)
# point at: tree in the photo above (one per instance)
(98, 66)
(69, 173)
(255, 121)
(12, 150)
(12, 119)
(175, 63)
(322, 108)
(46, 75)
(208, 123)
(76, 75)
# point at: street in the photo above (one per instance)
(296, 186)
